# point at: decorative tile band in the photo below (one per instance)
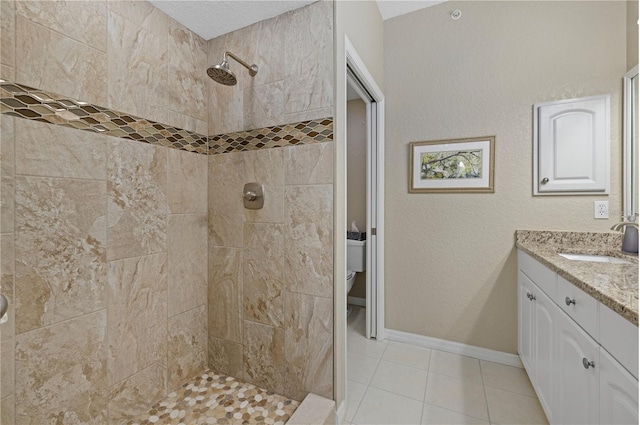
(26, 102)
(305, 132)
(39, 105)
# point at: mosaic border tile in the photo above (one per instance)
(26, 102)
(29, 103)
(302, 133)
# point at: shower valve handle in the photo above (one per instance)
(250, 195)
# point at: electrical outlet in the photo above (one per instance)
(601, 209)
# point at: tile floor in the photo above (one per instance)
(394, 383)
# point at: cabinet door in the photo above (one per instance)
(525, 322)
(618, 393)
(572, 154)
(576, 397)
(544, 343)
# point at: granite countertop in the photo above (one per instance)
(614, 285)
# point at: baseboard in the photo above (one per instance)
(362, 302)
(341, 411)
(454, 347)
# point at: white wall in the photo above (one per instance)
(451, 263)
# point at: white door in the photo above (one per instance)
(545, 349)
(577, 380)
(572, 141)
(525, 322)
(618, 392)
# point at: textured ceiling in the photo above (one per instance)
(212, 18)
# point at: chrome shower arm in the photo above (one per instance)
(253, 69)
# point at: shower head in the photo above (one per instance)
(223, 75)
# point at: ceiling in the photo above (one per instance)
(213, 18)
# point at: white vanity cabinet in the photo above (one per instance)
(576, 378)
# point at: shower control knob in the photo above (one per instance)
(250, 195)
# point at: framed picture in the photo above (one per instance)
(450, 166)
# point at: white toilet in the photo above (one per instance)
(356, 262)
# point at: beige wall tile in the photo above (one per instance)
(313, 114)
(60, 250)
(137, 69)
(187, 242)
(226, 180)
(264, 361)
(60, 372)
(308, 345)
(82, 20)
(225, 295)
(266, 44)
(225, 357)
(308, 58)
(308, 243)
(187, 72)
(137, 199)
(266, 167)
(7, 272)
(7, 161)
(226, 111)
(50, 61)
(179, 120)
(263, 105)
(132, 397)
(186, 182)
(7, 33)
(56, 151)
(7, 72)
(7, 410)
(187, 346)
(309, 164)
(142, 14)
(263, 286)
(137, 306)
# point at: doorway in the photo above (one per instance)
(362, 90)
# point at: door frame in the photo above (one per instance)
(375, 189)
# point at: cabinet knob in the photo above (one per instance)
(529, 295)
(587, 364)
(545, 180)
(250, 195)
(569, 301)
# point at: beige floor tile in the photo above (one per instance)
(382, 407)
(400, 379)
(408, 355)
(461, 367)
(511, 408)
(367, 347)
(455, 394)
(355, 393)
(434, 415)
(360, 368)
(508, 378)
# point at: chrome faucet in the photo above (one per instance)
(630, 238)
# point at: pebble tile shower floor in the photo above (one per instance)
(213, 398)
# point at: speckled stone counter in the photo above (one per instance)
(614, 285)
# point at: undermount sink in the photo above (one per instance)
(594, 258)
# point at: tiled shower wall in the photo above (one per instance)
(103, 240)
(271, 270)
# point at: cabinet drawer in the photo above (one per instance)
(580, 306)
(620, 338)
(539, 274)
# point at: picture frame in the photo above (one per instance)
(453, 166)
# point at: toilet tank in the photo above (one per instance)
(356, 255)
